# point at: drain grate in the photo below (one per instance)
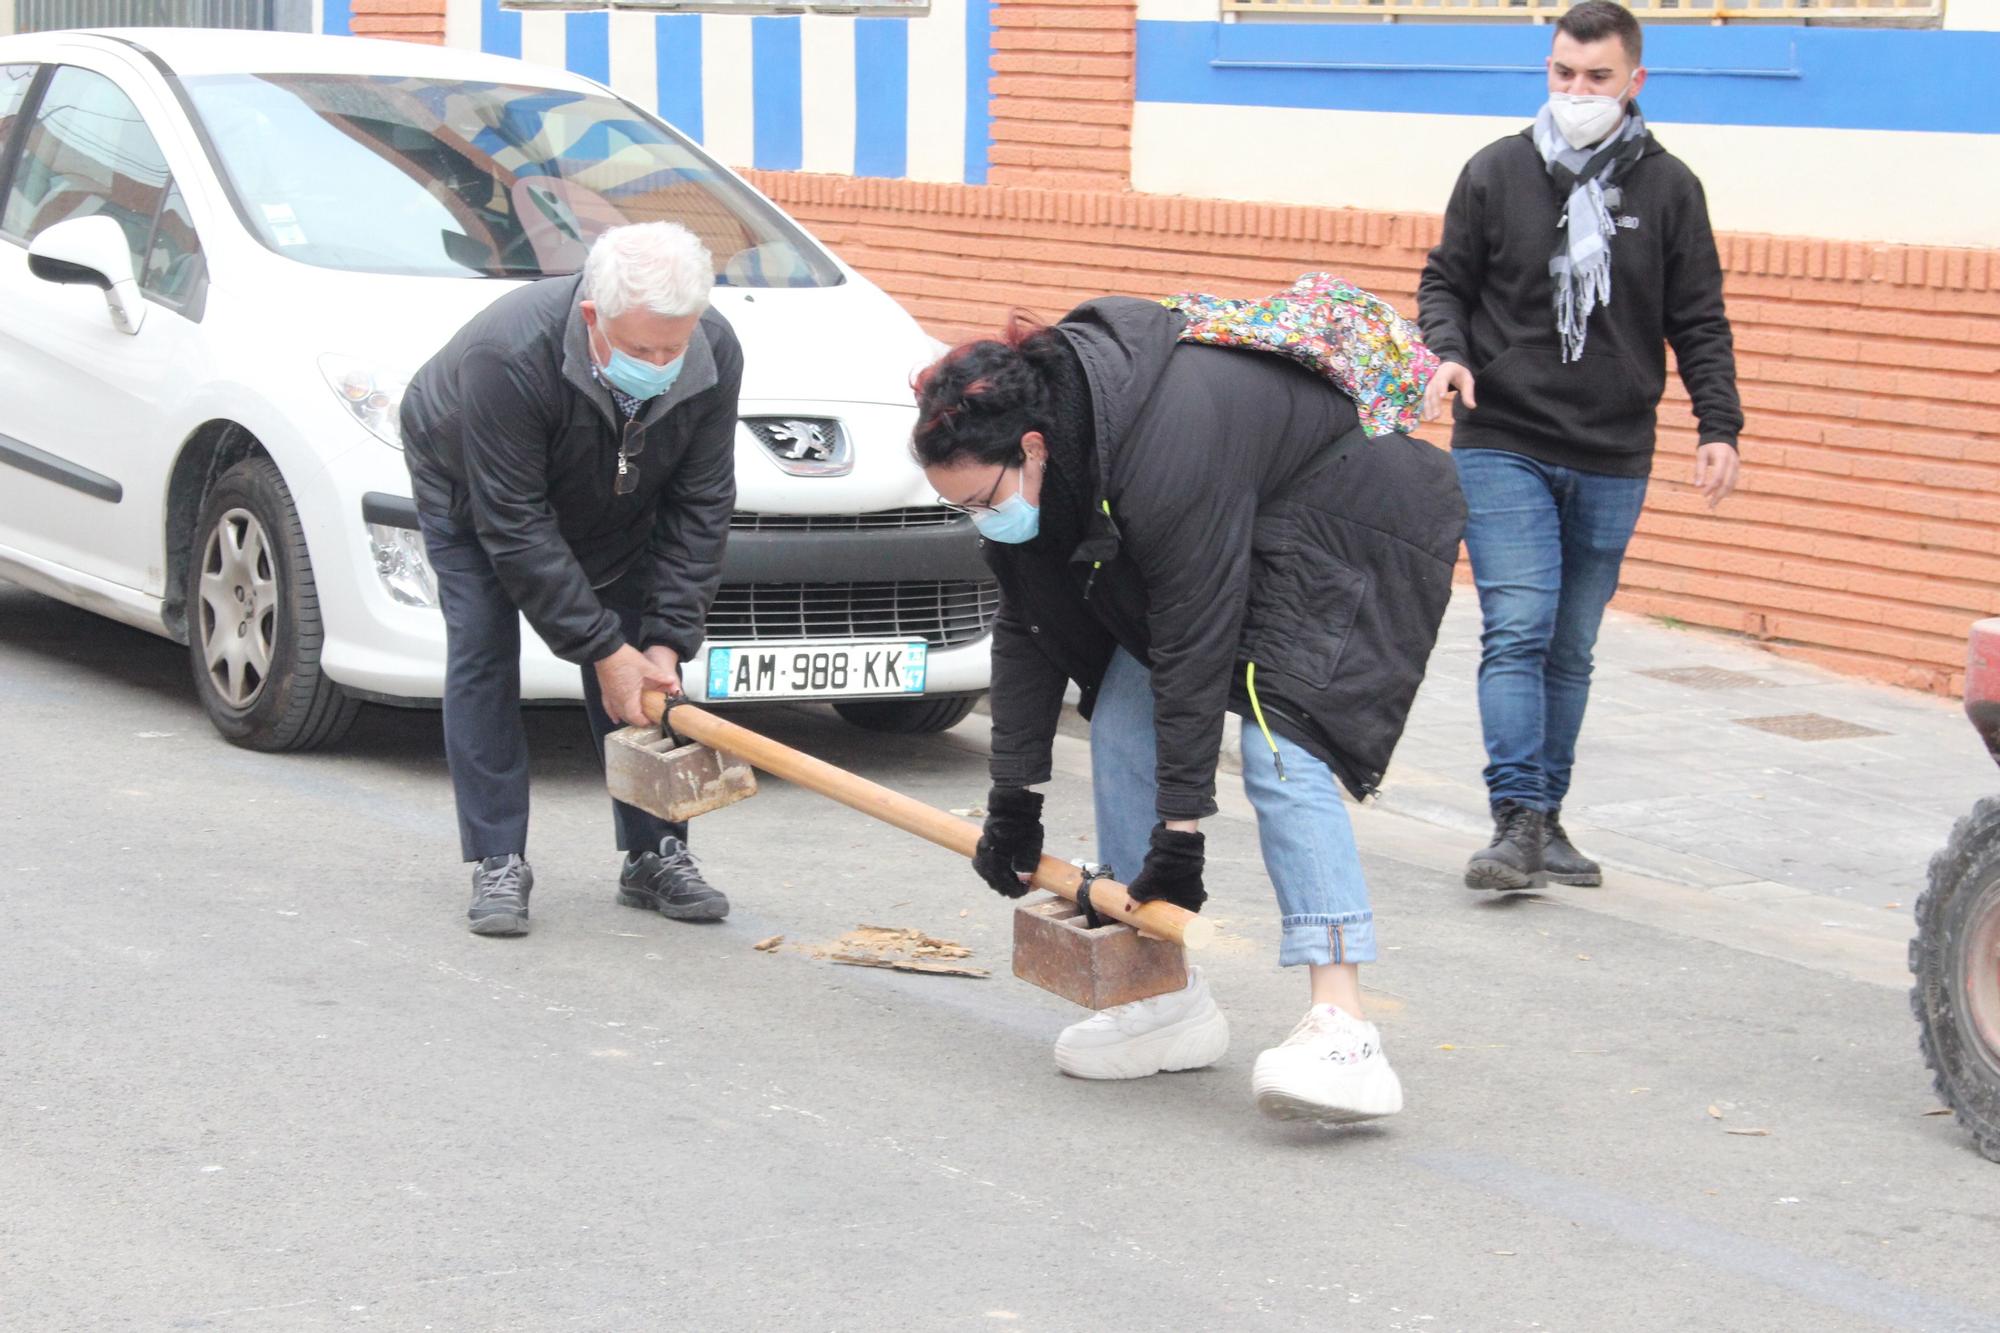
(1706, 677)
(1809, 727)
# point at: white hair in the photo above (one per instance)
(661, 266)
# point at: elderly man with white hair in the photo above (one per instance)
(571, 451)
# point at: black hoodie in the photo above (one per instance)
(1486, 301)
(1238, 516)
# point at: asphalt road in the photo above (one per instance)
(258, 1075)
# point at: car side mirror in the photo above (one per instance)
(93, 252)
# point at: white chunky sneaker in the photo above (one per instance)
(1330, 1069)
(1179, 1030)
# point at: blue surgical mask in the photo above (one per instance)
(641, 379)
(635, 378)
(1012, 521)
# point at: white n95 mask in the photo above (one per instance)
(1585, 120)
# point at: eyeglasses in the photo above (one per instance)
(982, 505)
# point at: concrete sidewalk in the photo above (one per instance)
(1707, 761)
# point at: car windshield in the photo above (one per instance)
(441, 178)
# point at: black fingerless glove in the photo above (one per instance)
(1012, 841)
(1172, 872)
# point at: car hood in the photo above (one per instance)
(849, 343)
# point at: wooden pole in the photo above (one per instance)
(1109, 898)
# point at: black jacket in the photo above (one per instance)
(1486, 302)
(1249, 521)
(507, 429)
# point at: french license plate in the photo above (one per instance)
(807, 670)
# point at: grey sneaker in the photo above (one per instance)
(500, 889)
(1560, 858)
(1513, 860)
(669, 882)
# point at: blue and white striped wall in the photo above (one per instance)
(1873, 134)
(1837, 133)
(900, 97)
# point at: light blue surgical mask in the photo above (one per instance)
(635, 378)
(641, 379)
(1012, 521)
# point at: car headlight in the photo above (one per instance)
(401, 564)
(373, 395)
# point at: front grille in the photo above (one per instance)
(941, 613)
(926, 516)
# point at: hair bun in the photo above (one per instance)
(980, 398)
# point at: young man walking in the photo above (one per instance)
(1573, 254)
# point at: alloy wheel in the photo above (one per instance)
(239, 608)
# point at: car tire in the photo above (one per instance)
(908, 717)
(1957, 995)
(254, 631)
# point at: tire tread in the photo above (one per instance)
(1974, 846)
(907, 717)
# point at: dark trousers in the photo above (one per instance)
(485, 740)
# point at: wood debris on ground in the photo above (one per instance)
(901, 949)
(769, 944)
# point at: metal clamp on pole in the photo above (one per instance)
(1091, 874)
(667, 706)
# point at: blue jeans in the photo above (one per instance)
(1309, 849)
(1546, 543)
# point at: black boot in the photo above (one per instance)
(1560, 858)
(1514, 858)
(670, 883)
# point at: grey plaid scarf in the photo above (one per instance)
(1581, 265)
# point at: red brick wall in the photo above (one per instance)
(1866, 534)
(399, 20)
(1062, 93)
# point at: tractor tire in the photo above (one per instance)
(1955, 958)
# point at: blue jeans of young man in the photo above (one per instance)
(1546, 543)
(1308, 844)
(485, 739)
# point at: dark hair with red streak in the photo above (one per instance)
(977, 400)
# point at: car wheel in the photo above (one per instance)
(1956, 960)
(254, 630)
(908, 717)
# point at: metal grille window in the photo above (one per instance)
(267, 15)
(1894, 12)
(925, 516)
(941, 613)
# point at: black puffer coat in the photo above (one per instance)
(1239, 516)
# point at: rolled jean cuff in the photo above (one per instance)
(1319, 940)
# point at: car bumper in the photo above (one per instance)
(383, 649)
